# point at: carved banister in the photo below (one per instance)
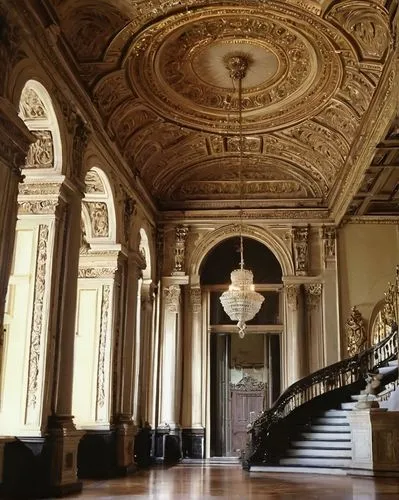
(336, 376)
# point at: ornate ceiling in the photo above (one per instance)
(319, 71)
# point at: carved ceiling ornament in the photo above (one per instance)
(179, 63)
(41, 152)
(10, 38)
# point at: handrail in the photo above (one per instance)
(335, 376)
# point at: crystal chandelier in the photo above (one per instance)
(241, 302)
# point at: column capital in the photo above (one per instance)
(313, 294)
(195, 299)
(292, 295)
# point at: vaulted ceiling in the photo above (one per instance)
(320, 74)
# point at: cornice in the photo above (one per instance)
(372, 219)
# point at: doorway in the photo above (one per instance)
(245, 379)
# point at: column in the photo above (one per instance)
(192, 422)
(314, 326)
(295, 349)
(170, 384)
(62, 437)
(330, 298)
(124, 426)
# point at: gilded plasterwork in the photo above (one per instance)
(156, 72)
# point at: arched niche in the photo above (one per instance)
(37, 111)
(273, 242)
(98, 212)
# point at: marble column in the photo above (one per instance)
(123, 421)
(62, 437)
(193, 390)
(147, 309)
(295, 348)
(170, 384)
(314, 326)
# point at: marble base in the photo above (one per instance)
(193, 443)
(168, 444)
(97, 455)
(374, 436)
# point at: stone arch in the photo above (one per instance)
(265, 236)
(98, 213)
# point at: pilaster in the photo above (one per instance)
(314, 325)
(294, 335)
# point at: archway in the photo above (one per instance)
(244, 373)
(25, 393)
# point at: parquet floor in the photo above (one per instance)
(201, 482)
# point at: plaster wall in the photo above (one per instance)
(367, 257)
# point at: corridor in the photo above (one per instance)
(194, 482)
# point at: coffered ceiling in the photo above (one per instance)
(320, 72)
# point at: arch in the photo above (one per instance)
(37, 111)
(98, 203)
(272, 241)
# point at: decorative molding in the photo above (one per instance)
(292, 296)
(313, 294)
(98, 212)
(37, 316)
(329, 236)
(180, 247)
(129, 211)
(248, 384)
(97, 272)
(172, 298)
(44, 189)
(195, 299)
(94, 184)
(31, 106)
(300, 240)
(102, 344)
(355, 333)
(80, 141)
(45, 207)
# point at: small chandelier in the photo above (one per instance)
(241, 302)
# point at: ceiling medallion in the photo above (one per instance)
(177, 66)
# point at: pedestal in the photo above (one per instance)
(125, 434)
(375, 438)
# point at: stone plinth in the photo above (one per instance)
(375, 440)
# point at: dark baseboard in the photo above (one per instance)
(97, 455)
(193, 443)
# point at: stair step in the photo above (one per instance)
(317, 462)
(334, 413)
(297, 469)
(349, 405)
(330, 421)
(394, 362)
(342, 428)
(326, 436)
(384, 370)
(359, 397)
(317, 452)
(313, 443)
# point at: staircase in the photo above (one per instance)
(307, 430)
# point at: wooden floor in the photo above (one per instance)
(194, 482)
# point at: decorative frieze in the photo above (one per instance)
(36, 207)
(105, 307)
(292, 295)
(195, 299)
(180, 247)
(31, 106)
(313, 294)
(355, 332)
(97, 272)
(37, 316)
(300, 240)
(172, 298)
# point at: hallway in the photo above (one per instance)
(192, 482)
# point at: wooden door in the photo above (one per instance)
(247, 398)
